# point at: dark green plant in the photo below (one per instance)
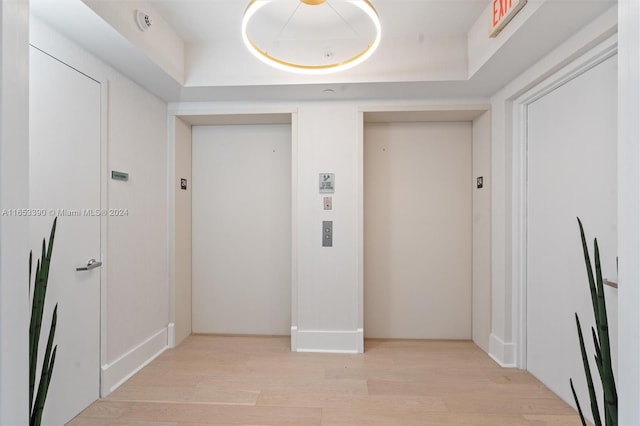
(38, 295)
(600, 337)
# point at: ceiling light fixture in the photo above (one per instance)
(311, 36)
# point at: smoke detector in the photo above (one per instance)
(143, 20)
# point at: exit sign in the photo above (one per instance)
(502, 12)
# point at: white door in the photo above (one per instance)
(417, 230)
(572, 161)
(64, 173)
(241, 229)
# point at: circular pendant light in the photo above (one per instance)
(311, 36)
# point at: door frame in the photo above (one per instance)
(519, 184)
(104, 203)
(403, 113)
(68, 58)
(208, 115)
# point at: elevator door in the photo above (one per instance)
(418, 230)
(241, 244)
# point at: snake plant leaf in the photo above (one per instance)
(40, 288)
(575, 398)
(50, 372)
(596, 345)
(49, 251)
(598, 360)
(30, 266)
(52, 334)
(39, 293)
(43, 388)
(595, 411)
(608, 384)
(587, 261)
(47, 370)
(34, 334)
(600, 337)
(38, 297)
(32, 376)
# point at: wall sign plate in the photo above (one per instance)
(119, 176)
(327, 183)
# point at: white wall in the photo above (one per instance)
(417, 230)
(137, 244)
(14, 193)
(629, 211)
(328, 293)
(183, 232)
(481, 274)
(242, 229)
(571, 172)
(137, 247)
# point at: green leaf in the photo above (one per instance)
(38, 297)
(608, 384)
(32, 372)
(587, 371)
(600, 338)
(43, 388)
(575, 398)
(30, 265)
(34, 334)
(596, 345)
(587, 261)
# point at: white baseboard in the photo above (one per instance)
(294, 338)
(503, 353)
(114, 374)
(327, 341)
(171, 335)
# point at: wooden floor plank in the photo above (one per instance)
(217, 380)
(217, 414)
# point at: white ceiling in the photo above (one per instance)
(207, 20)
(429, 49)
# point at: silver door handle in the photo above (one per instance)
(91, 264)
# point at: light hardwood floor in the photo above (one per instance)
(213, 380)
